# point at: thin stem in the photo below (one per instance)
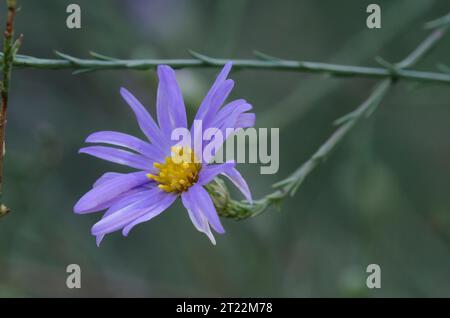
(346, 123)
(9, 49)
(90, 65)
(241, 210)
(424, 48)
(440, 22)
(288, 186)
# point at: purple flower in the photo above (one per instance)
(136, 197)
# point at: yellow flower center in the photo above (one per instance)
(178, 172)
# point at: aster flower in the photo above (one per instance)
(167, 169)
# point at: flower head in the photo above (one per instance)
(167, 169)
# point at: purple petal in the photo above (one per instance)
(99, 239)
(127, 141)
(214, 143)
(130, 201)
(239, 182)
(129, 197)
(149, 202)
(159, 207)
(109, 190)
(107, 176)
(199, 220)
(245, 120)
(228, 117)
(209, 172)
(170, 107)
(235, 107)
(218, 99)
(145, 120)
(205, 205)
(115, 200)
(119, 156)
(198, 201)
(204, 106)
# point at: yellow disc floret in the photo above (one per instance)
(178, 172)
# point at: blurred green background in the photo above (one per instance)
(383, 196)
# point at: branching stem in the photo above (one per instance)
(9, 50)
(99, 62)
(241, 210)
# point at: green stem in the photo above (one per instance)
(241, 210)
(201, 61)
(9, 49)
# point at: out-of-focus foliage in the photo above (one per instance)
(383, 197)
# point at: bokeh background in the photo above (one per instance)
(382, 197)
